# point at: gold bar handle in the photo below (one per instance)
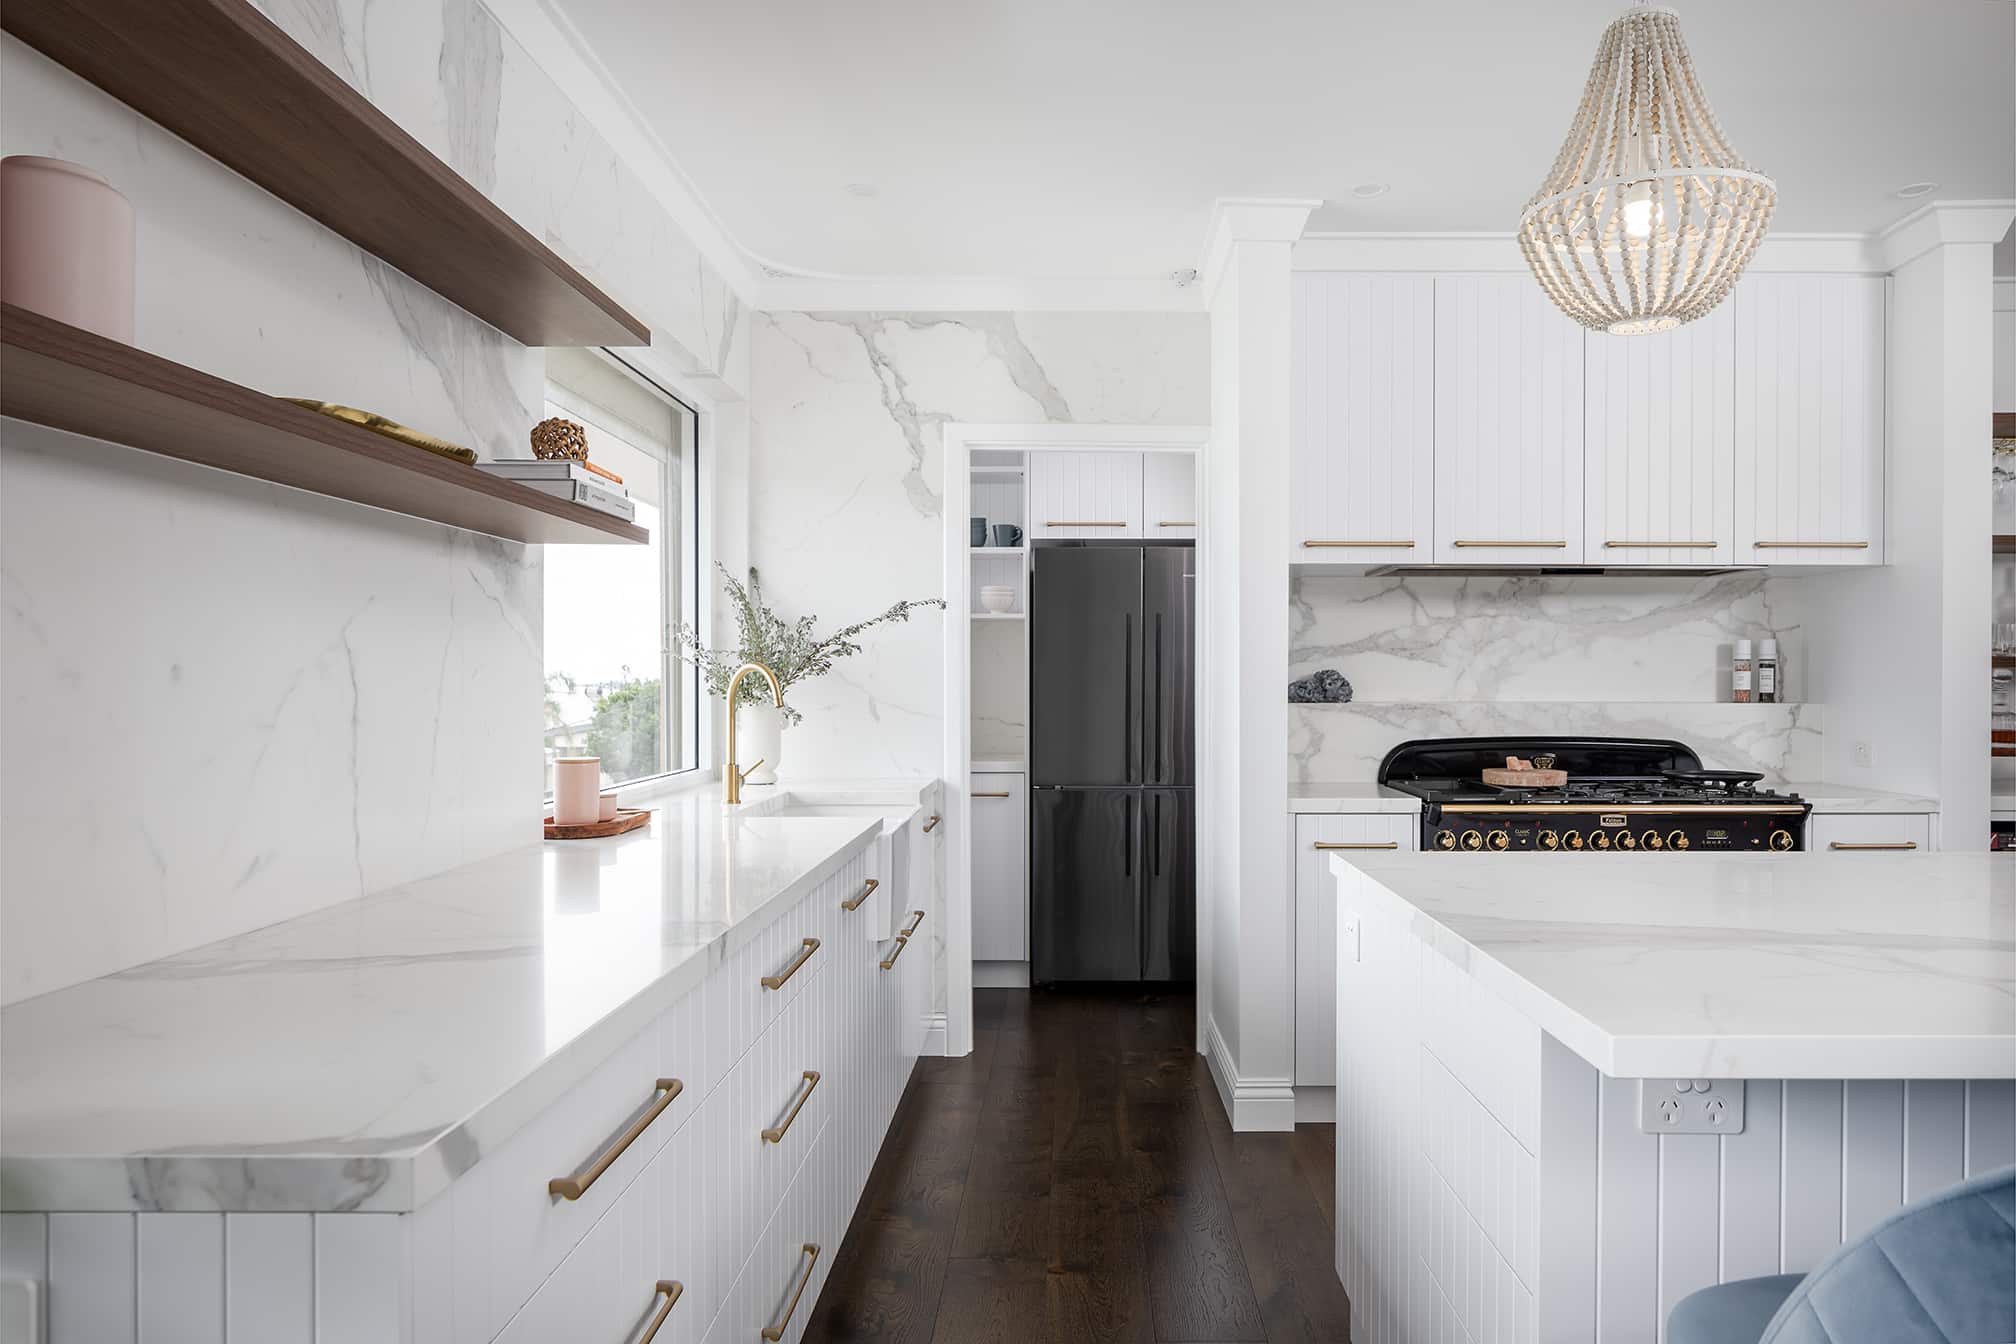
(573, 1187)
(1166, 523)
(1810, 545)
(932, 824)
(809, 946)
(671, 1290)
(1357, 844)
(916, 918)
(1894, 844)
(1660, 545)
(1054, 523)
(867, 890)
(776, 1133)
(1513, 545)
(1345, 545)
(773, 1333)
(1002, 794)
(902, 941)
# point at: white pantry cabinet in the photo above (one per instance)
(1363, 424)
(1318, 837)
(1084, 496)
(1809, 419)
(1168, 496)
(1508, 424)
(1000, 867)
(1660, 446)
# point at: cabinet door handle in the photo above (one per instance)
(1054, 523)
(867, 889)
(1660, 545)
(1810, 545)
(1514, 545)
(806, 949)
(1003, 794)
(1345, 545)
(1891, 844)
(1166, 523)
(773, 1333)
(776, 1133)
(573, 1187)
(1356, 844)
(889, 962)
(916, 919)
(671, 1290)
(932, 824)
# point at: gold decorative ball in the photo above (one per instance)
(559, 440)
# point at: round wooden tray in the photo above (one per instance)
(1530, 779)
(627, 819)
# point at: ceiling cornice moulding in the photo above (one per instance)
(1330, 251)
(1940, 223)
(1249, 219)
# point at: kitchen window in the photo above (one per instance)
(613, 688)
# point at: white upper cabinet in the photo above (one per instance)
(1084, 495)
(1809, 420)
(1660, 425)
(1168, 496)
(1363, 419)
(1508, 424)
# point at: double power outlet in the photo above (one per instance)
(1690, 1105)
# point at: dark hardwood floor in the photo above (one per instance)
(1075, 1179)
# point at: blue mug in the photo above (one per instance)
(977, 531)
(1007, 534)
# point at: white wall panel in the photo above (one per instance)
(1811, 1188)
(92, 1281)
(1689, 1216)
(1627, 1214)
(1872, 1153)
(1934, 1141)
(1566, 1225)
(1750, 1184)
(269, 1277)
(1991, 1126)
(181, 1274)
(359, 1264)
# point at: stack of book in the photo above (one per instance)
(575, 482)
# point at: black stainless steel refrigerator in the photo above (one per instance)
(1111, 758)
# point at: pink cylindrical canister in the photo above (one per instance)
(608, 812)
(66, 245)
(577, 790)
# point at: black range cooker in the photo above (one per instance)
(1622, 794)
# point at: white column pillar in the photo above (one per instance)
(1246, 966)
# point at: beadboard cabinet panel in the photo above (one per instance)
(1168, 496)
(1660, 436)
(1084, 496)
(1363, 419)
(1809, 419)
(1508, 424)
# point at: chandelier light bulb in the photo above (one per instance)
(1638, 212)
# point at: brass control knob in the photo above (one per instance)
(1781, 840)
(1445, 840)
(1497, 840)
(1626, 840)
(1652, 840)
(1574, 839)
(1472, 840)
(1549, 840)
(1599, 840)
(1677, 840)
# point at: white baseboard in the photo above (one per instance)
(1000, 975)
(1315, 1105)
(934, 1034)
(1252, 1104)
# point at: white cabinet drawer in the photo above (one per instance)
(1000, 867)
(1317, 839)
(1869, 832)
(780, 1284)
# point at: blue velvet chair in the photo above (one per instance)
(1940, 1271)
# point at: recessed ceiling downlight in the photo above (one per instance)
(1367, 190)
(1915, 190)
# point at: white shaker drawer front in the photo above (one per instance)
(1317, 840)
(1870, 833)
(780, 1284)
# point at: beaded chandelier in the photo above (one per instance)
(1648, 216)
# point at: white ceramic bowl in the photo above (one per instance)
(997, 599)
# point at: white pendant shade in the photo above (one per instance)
(1648, 216)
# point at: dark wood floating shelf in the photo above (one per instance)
(225, 78)
(57, 375)
(2005, 543)
(2004, 659)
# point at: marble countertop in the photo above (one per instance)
(1364, 797)
(1728, 966)
(1834, 798)
(361, 1057)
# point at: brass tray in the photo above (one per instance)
(391, 429)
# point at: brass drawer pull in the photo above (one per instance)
(1055, 523)
(573, 1187)
(1003, 794)
(1397, 545)
(1515, 545)
(1660, 545)
(867, 890)
(809, 946)
(776, 1133)
(932, 824)
(1810, 545)
(672, 1290)
(1357, 844)
(916, 918)
(1893, 844)
(773, 1333)
(902, 941)
(1166, 523)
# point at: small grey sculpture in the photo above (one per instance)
(1327, 687)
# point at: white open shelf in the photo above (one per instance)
(999, 615)
(1000, 550)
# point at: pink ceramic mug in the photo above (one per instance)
(577, 790)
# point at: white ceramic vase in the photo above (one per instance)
(760, 738)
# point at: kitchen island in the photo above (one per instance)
(1822, 1038)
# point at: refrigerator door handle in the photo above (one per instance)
(1127, 683)
(1155, 842)
(1127, 810)
(1158, 702)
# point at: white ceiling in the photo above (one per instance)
(1051, 138)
